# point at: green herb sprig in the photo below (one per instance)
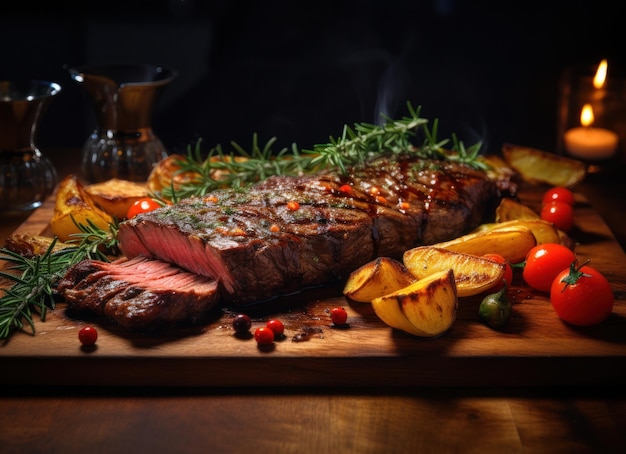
(34, 277)
(235, 172)
(356, 146)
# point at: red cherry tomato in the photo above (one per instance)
(560, 214)
(276, 326)
(558, 194)
(87, 335)
(508, 271)
(264, 336)
(338, 315)
(544, 262)
(582, 296)
(142, 205)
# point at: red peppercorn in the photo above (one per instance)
(338, 315)
(345, 188)
(293, 206)
(264, 336)
(277, 327)
(87, 335)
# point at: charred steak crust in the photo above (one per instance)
(138, 294)
(257, 244)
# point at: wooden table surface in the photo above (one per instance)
(364, 420)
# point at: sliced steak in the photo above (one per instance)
(288, 233)
(138, 294)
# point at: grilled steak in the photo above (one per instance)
(138, 293)
(288, 233)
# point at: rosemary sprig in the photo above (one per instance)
(236, 169)
(365, 141)
(34, 278)
(357, 146)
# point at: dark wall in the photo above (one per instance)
(300, 70)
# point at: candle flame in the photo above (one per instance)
(586, 115)
(600, 77)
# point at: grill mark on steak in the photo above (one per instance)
(332, 233)
(138, 294)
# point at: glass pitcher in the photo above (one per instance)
(27, 177)
(123, 145)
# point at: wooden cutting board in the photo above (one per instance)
(535, 349)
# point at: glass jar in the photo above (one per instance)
(27, 177)
(123, 145)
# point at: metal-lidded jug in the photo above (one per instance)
(27, 177)
(123, 145)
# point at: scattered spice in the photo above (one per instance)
(306, 334)
(345, 189)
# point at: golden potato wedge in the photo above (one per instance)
(377, 278)
(543, 231)
(511, 242)
(510, 210)
(499, 170)
(116, 196)
(389, 310)
(426, 308)
(538, 166)
(472, 274)
(30, 245)
(167, 173)
(73, 201)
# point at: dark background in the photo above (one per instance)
(300, 70)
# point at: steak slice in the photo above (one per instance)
(287, 233)
(138, 294)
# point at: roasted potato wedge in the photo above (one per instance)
(74, 203)
(377, 278)
(472, 274)
(30, 245)
(538, 166)
(543, 231)
(167, 173)
(499, 170)
(510, 210)
(426, 308)
(511, 242)
(116, 196)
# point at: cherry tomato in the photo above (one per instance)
(560, 214)
(582, 296)
(558, 194)
(264, 336)
(142, 205)
(338, 315)
(508, 271)
(87, 335)
(544, 262)
(276, 326)
(242, 323)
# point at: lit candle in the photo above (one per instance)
(599, 85)
(590, 143)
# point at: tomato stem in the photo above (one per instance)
(574, 274)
